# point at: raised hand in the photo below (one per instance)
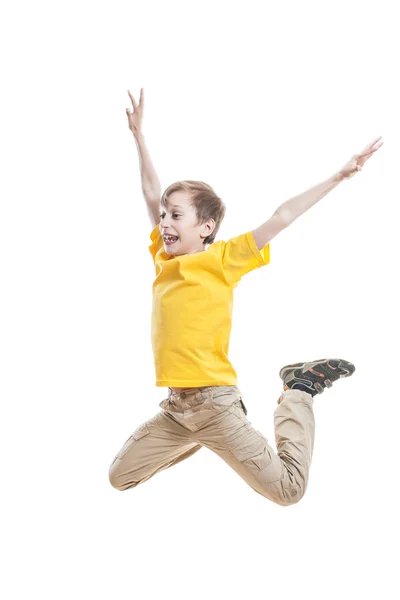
(357, 162)
(135, 117)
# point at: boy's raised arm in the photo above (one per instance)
(151, 187)
(290, 210)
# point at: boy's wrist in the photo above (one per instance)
(338, 177)
(138, 135)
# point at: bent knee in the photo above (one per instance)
(118, 482)
(291, 489)
(114, 480)
(284, 496)
(293, 496)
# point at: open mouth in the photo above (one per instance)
(170, 239)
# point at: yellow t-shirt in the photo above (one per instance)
(192, 309)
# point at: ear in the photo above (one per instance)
(208, 228)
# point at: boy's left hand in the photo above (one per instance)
(357, 162)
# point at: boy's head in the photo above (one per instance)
(191, 211)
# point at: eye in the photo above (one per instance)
(174, 215)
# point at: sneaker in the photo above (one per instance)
(314, 377)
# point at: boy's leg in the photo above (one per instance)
(283, 476)
(157, 444)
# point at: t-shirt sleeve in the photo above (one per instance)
(156, 240)
(240, 255)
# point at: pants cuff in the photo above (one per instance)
(296, 395)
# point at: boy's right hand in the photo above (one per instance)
(135, 117)
(357, 162)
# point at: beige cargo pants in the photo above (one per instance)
(215, 417)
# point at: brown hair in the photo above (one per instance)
(205, 201)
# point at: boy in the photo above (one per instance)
(191, 323)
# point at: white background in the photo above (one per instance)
(261, 102)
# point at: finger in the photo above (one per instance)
(378, 146)
(371, 145)
(133, 100)
(371, 151)
(366, 155)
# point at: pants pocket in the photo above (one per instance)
(250, 444)
(253, 451)
(139, 433)
(224, 397)
(243, 406)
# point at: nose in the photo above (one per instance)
(166, 222)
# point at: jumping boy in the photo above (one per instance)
(191, 324)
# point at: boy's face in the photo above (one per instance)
(179, 219)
